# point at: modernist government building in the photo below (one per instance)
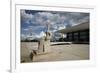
(78, 33)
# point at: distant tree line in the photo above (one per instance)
(27, 40)
(35, 40)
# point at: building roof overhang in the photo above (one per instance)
(79, 27)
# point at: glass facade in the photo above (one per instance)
(81, 36)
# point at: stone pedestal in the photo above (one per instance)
(41, 48)
(47, 42)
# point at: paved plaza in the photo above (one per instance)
(61, 52)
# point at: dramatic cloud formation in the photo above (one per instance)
(35, 22)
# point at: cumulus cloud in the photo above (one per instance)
(25, 18)
(37, 20)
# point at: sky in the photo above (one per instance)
(34, 23)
